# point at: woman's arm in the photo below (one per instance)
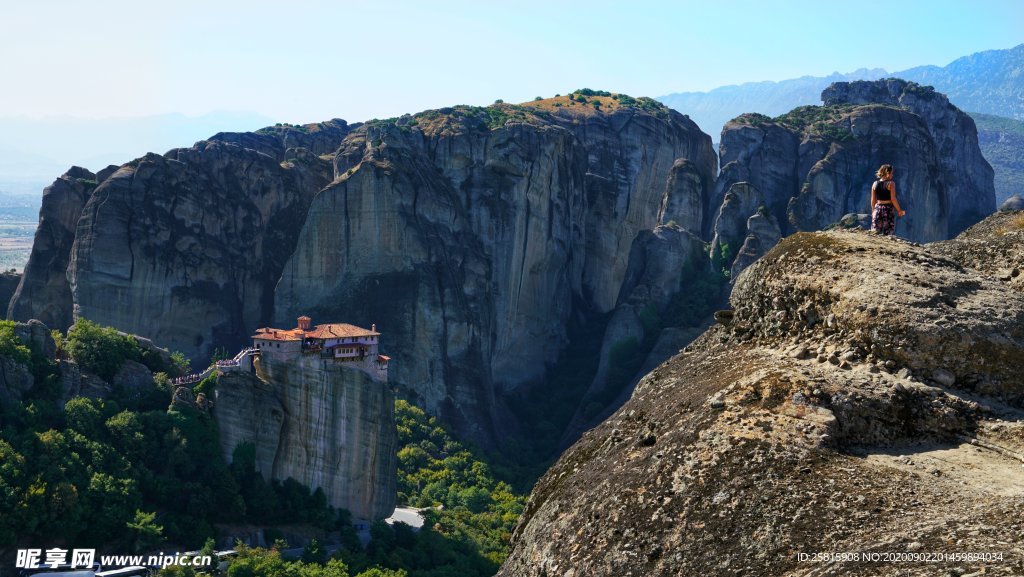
(895, 203)
(872, 207)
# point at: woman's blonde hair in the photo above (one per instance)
(885, 170)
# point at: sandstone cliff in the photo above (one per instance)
(43, 292)
(820, 418)
(313, 420)
(469, 235)
(810, 167)
(475, 237)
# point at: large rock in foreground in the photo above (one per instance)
(864, 397)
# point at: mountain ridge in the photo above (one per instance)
(711, 110)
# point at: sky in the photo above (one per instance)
(304, 61)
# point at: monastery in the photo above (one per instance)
(338, 342)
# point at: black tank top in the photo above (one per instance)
(882, 190)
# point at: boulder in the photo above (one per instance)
(133, 378)
(742, 444)
(1014, 202)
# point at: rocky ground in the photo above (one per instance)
(863, 398)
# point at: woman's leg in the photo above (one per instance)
(888, 217)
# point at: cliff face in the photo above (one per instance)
(43, 292)
(810, 167)
(472, 247)
(967, 176)
(818, 418)
(469, 235)
(195, 238)
(313, 420)
(474, 237)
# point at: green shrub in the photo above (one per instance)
(11, 346)
(206, 386)
(100, 350)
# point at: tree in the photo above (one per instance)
(100, 350)
(11, 346)
(313, 552)
(113, 503)
(147, 533)
(378, 572)
(180, 365)
(82, 415)
(12, 477)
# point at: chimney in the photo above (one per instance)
(304, 323)
(373, 328)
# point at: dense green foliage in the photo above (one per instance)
(133, 474)
(436, 470)
(103, 350)
(126, 471)
(11, 346)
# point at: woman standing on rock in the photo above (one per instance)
(884, 205)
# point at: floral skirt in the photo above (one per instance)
(883, 218)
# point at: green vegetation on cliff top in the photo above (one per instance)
(463, 118)
(823, 121)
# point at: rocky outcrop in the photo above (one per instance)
(814, 165)
(195, 238)
(816, 418)
(1014, 202)
(966, 175)
(248, 410)
(468, 235)
(763, 233)
(15, 381)
(9, 282)
(740, 202)
(36, 336)
(325, 425)
(471, 247)
(44, 292)
(662, 264)
(15, 376)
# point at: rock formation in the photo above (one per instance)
(813, 165)
(816, 418)
(9, 282)
(1014, 202)
(44, 293)
(468, 234)
(314, 420)
(474, 237)
(966, 175)
(663, 263)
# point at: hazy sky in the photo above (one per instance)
(307, 60)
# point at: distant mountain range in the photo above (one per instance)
(988, 85)
(989, 82)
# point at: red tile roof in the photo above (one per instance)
(322, 332)
(270, 334)
(339, 330)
